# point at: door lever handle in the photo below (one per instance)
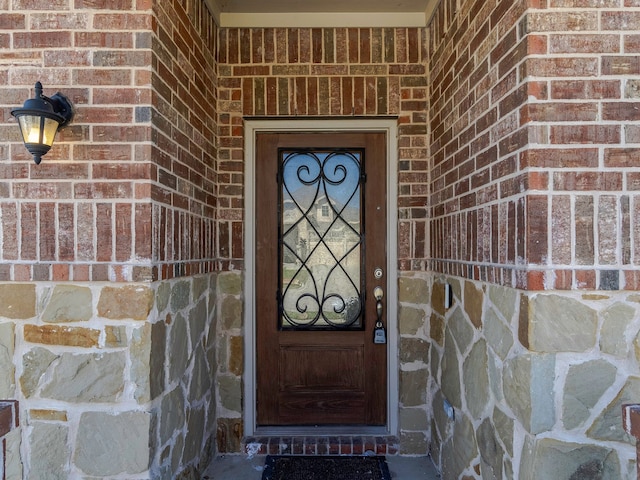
(378, 293)
(379, 332)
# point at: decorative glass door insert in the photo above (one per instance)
(320, 239)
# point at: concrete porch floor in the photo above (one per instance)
(236, 467)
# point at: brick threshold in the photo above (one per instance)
(320, 445)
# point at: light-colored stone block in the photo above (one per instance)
(498, 334)
(230, 391)
(414, 443)
(410, 320)
(179, 348)
(140, 353)
(69, 303)
(414, 419)
(157, 358)
(616, 319)
(551, 458)
(494, 370)
(7, 368)
(528, 382)
(561, 324)
(230, 283)
(413, 387)
(459, 451)
(201, 376)
(476, 380)
(193, 443)
(180, 295)
(49, 451)
(584, 386)
(231, 313)
(13, 461)
(34, 364)
(436, 328)
(172, 414)
(491, 452)
(200, 285)
(461, 329)
(450, 381)
(413, 290)
(504, 300)
(442, 423)
(163, 295)
(608, 425)
(115, 336)
(17, 300)
(414, 350)
(503, 425)
(198, 321)
(132, 302)
(86, 377)
(113, 444)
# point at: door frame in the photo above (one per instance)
(251, 128)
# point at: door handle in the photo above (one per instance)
(379, 332)
(378, 294)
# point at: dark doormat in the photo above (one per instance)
(325, 467)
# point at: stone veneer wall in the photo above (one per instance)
(90, 368)
(109, 252)
(534, 224)
(342, 73)
(537, 381)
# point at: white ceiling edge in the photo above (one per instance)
(321, 19)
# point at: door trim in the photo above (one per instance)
(251, 128)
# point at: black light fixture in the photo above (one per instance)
(40, 118)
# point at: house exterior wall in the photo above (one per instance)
(122, 258)
(109, 278)
(534, 224)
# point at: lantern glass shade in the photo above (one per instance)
(38, 129)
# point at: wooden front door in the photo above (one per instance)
(320, 253)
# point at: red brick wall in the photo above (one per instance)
(184, 149)
(534, 131)
(337, 72)
(128, 190)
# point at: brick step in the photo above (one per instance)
(320, 445)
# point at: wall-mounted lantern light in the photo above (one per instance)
(40, 118)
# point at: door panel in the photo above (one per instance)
(315, 311)
(304, 367)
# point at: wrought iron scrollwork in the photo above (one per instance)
(320, 241)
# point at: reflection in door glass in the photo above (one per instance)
(320, 239)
